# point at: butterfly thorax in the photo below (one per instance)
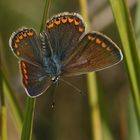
(52, 67)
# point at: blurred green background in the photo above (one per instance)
(69, 120)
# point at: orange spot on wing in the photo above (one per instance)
(64, 20)
(24, 34)
(103, 45)
(76, 22)
(17, 40)
(98, 41)
(23, 64)
(90, 37)
(20, 37)
(25, 76)
(50, 26)
(30, 33)
(24, 71)
(108, 48)
(70, 20)
(81, 29)
(57, 22)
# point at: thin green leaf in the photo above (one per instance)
(28, 120)
(3, 123)
(3, 118)
(122, 18)
(137, 23)
(106, 132)
(45, 14)
(133, 131)
(94, 105)
(92, 87)
(13, 103)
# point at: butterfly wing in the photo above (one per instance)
(63, 32)
(94, 52)
(26, 45)
(34, 78)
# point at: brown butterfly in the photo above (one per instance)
(63, 49)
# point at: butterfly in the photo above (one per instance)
(63, 49)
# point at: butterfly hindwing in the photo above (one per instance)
(94, 52)
(26, 45)
(63, 32)
(34, 78)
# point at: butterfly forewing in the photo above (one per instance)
(26, 45)
(63, 32)
(95, 52)
(34, 78)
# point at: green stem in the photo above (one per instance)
(3, 123)
(45, 14)
(122, 17)
(3, 118)
(94, 105)
(28, 120)
(13, 103)
(92, 87)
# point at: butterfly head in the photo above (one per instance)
(55, 79)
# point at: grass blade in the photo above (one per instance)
(28, 120)
(3, 118)
(133, 131)
(94, 105)
(137, 23)
(122, 18)
(92, 87)
(45, 14)
(13, 103)
(3, 123)
(30, 105)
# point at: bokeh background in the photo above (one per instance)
(70, 117)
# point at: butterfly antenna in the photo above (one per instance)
(71, 85)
